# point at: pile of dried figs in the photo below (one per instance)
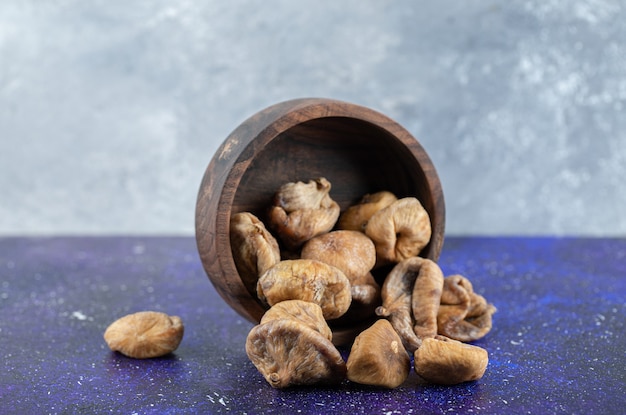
(318, 272)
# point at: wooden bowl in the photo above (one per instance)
(357, 149)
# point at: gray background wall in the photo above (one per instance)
(110, 110)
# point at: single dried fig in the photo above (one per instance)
(411, 294)
(304, 312)
(145, 334)
(354, 254)
(426, 299)
(288, 353)
(378, 358)
(253, 247)
(447, 362)
(308, 280)
(301, 211)
(399, 231)
(350, 251)
(355, 218)
(463, 315)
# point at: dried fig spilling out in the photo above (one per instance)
(399, 231)
(447, 362)
(325, 276)
(463, 314)
(303, 210)
(254, 248)
(308, 280)
(378, 358)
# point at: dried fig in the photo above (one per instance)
(308, 280)
(447, 362)
(350, 251)
(411, 294)
(304, 312)
(253, 247)
(426, 299)
(463, 315)
(378, 358)
(145, 334)
(399, 231)
(355, 218)
(301, 211)
(288, 353)
(355, 255)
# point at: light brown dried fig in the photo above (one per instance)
(399, 231)
(350, 251)
(301, 211)
(463, 314)
(355, 218)
(411, 294)
(426, 299)
(254, 248)
(308, 280)
(448, 362)
(288, 353)
(378, 358)
(355, 255)
(145, 334)
(304, 312)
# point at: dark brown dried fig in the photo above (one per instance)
(301, 211)
(378, 358)
(288, 353)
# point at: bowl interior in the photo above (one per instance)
(357, 157)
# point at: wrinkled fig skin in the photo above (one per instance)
(396, 297)
(304, 312)
(302, 211)
(145, 334)
(399, 231)
(355, 218)
(254, 248)
(426, 299)
(308, 280)
(377, 357)
(287, 353)
(448, 362)
(463, 314)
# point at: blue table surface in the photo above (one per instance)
(557, 343)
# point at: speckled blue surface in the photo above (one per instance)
(557, 346)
